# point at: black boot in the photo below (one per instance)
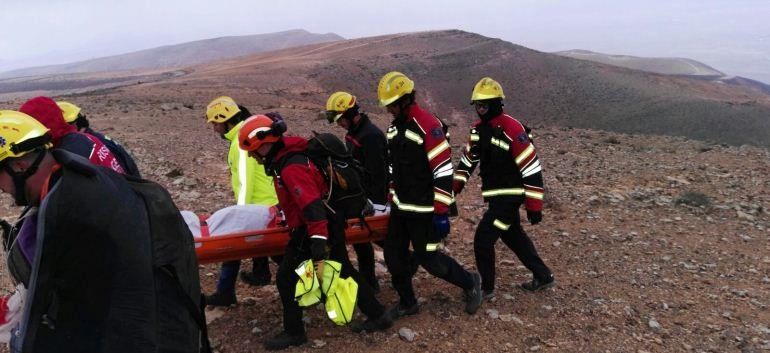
(284, 340)
(539, 284)
(221, 299)
(384, 322)
(400, 311)
(254, 280)
(474, 294)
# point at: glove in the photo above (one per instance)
(534, 217)
(318, 250)
(441, 225)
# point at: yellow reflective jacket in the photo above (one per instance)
(341, 294)
(251, 185)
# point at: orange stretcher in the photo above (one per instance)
(273, 241)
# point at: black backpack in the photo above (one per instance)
(345, 176)
(177, 324)
(176, 272)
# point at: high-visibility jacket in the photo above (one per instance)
(340, 293)
(510, 167)
(420, 164)
(251, 185)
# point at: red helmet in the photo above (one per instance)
(255, 131)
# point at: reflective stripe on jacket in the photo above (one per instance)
(251, 185)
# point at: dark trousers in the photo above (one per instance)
(297, 251)
(365, 255)
(499, 216)
(229, 273)
(419, 232)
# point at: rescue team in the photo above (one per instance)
(135, 287)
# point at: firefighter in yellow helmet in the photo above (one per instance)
(251, 186)
(82, 246)
(20, 136)
(420, 188)
(366, 144)
(510, 177)
(73, 115)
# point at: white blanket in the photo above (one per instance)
(233, 219)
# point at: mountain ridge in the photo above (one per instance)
(182, 54)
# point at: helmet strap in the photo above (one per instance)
(268, 159)
(20, 178)
(404, 102)
(350, 114)
(81, 122)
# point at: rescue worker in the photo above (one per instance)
(251, 185)
(315, 232)
(366, 143)
(66, 137)
(510, 176)
(74, 116)
(83, 258)
(420, 165)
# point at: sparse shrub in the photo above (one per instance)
(693, 198)
(612, 140)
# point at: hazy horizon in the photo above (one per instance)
(729, 36)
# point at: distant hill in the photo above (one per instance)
(541, 88)
(666, 66)
(184, 54)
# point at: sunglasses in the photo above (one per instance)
(481, 105)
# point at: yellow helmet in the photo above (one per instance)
(393, 86)
(221, 109)
(20, 134)
(487, 88)
(69, 110)
(337, 104)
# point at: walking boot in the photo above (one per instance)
(474, 294)
(221, 299)
(538, 284)
(383, 322)
(399, 311)
(285, 340)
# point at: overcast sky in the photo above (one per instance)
(732, 36)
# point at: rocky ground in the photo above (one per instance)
(658, 244)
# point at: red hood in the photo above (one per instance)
(291, 144)
(46, 111)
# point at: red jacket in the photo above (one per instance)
(300, 187)
(510, 167)
(66, 136)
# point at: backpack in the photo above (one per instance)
(177, 281)
(170, 282)
(345, 176)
